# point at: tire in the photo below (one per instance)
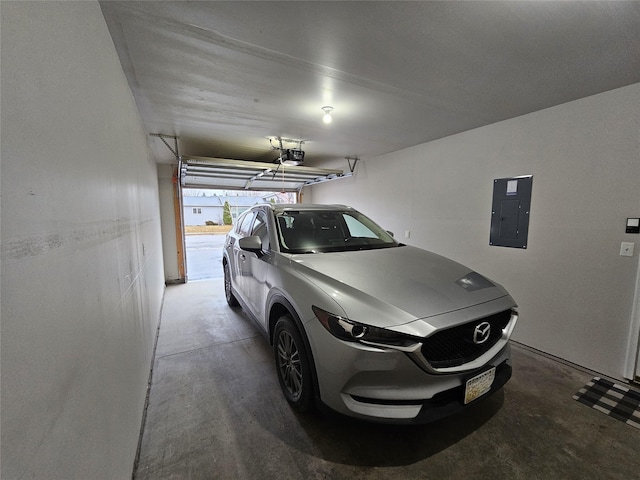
(292, 365)
(228, 294)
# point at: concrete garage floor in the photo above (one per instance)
(216, 412)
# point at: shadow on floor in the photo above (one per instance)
(352, 442)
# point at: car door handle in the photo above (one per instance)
(242, 257)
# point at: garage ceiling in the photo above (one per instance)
(226, 76)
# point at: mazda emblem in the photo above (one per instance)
(481, 333)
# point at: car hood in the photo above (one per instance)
(396, 285)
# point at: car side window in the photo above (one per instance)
(238, 223)
(245, 224)
(260, 229)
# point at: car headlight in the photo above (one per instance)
(351, 331)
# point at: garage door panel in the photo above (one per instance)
(203, 172)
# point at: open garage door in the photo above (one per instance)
(223, 173)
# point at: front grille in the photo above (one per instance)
(455, 346)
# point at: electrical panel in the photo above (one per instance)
(510, 211)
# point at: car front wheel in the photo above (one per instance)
(292, 365)
(231, 299)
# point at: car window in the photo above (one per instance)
(260, 229)
(238, 222)
(316, 231)
(245, 224)
(358, 229)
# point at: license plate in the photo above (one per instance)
(479, 385)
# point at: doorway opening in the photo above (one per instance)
(208, 215)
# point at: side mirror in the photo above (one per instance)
(251, 244)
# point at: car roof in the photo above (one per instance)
(306, 207)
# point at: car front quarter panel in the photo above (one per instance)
(289, 288)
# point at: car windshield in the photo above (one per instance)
(318, 231)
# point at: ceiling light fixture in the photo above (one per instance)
(327, 114)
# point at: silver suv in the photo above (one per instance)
(361, 323)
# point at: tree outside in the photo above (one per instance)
(227, 219)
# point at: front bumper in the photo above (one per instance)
(443, 404)
(388, 386)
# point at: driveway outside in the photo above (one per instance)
(204, 256)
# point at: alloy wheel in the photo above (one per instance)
(289, 365)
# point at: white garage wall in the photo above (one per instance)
(574, 290)
(82, 276)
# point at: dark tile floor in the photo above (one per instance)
(216, 412)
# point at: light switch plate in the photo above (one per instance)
(626, 249)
